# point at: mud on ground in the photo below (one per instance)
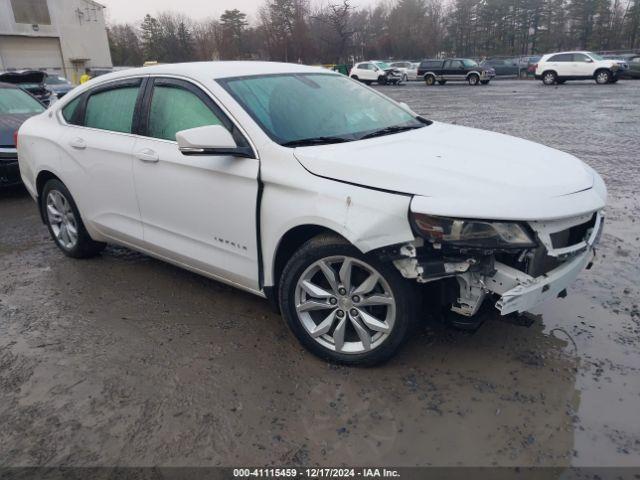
(124, 360)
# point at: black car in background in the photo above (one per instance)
(506, 66)
(454, 69)
(58, 85)
(632, 59)
(32, 81)
(16, 106)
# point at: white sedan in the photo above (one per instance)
(305, 187)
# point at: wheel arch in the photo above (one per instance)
(41, 179)
(602, 69)
(292, 240)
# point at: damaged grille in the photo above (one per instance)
(573, 235)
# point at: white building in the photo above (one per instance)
(59, 36)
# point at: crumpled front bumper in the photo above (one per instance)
(520, 292)
(531, 291)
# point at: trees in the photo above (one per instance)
(125, 45)
(337, 32)
(233, 24)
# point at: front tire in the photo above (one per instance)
(442, 82)
(473, 79)
(484, 82)
(64, 223)
(603, 77)
(344, 306)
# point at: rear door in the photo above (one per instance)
(99, 142)
(561, 64)
(198, 210)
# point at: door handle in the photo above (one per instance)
(148, 155)
(78, 143)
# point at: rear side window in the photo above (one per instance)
(431, 64)
(112, 109)
(563, 57)
(69, 111)
(580, 57)
(174, 109)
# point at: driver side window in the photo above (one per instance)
(174, 109)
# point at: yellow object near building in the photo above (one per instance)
(84, 78)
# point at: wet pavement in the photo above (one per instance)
(125, 360)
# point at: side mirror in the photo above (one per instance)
(589, 60)
(210, 140)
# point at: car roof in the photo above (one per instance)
(570, 51)
(215, 70)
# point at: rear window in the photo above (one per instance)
(112, 109)
(69, 111)
(431, 64)
(16, 102)
(563, 57)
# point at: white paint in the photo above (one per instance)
(199, 212)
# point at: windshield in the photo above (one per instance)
(325, 107)
(56, 80)
(14, 102)
(595, 56)
(469, 63)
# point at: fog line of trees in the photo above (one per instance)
(337, 32)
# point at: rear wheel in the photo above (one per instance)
(549, 78)
(614, 80)
(355, 77)
(430, 80)
(603, 77)
(382, 80)
(64, 222)
(345, 306)
(473, 79)
(484, 82)
(442, 82)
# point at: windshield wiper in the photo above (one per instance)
(306, 142)
(390, 130)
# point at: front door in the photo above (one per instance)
(454, 70)
(197, 210)
(582, 66)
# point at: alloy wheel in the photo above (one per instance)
(62, 220)
(345, 305)
(602, 77)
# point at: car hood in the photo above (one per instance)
(478, 170)
(8, 125)
(28, 76)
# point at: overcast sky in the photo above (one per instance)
(135, 10)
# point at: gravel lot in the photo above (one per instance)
(124, 360)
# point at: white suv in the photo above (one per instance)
(560, 67)
(377, 71)
(339, 205)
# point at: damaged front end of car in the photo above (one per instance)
(519, 263)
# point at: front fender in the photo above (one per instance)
(367, 218)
